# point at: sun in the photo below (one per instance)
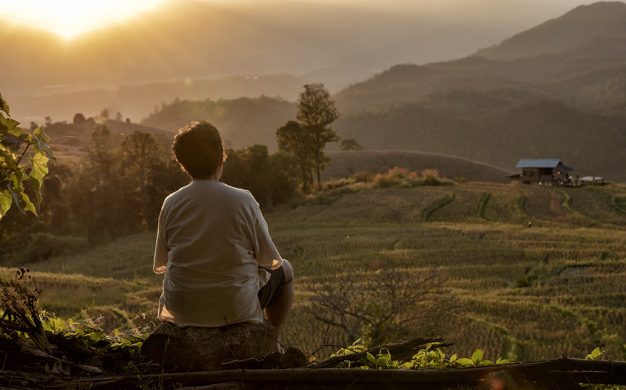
(70, 18)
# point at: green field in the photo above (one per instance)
(557, 287)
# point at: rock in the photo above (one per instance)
(196, 349)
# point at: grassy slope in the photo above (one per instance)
(347, 163)
(575, 253)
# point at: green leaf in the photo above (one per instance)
(595, 354)
(10, 126)
(6, 199)
(370, 358)
(28, 205)
(477, 356)
(466, 362)
(39, 169)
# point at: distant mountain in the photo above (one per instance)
(568, 104)
(202, 39)
(498, 127)
(132, 66)
(586, 45)
(558, 90)
(70, 141)
(583, 27)
(137, 101)
(241, 122)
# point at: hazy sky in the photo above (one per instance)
(69, 18)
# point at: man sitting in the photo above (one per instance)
(213, 246)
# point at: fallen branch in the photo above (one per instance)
(562, 371)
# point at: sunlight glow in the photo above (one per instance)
(70, 18)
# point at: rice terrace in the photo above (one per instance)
(277, 194)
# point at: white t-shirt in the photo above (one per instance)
(213, 247)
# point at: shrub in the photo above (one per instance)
(402, 177)
(43, 246)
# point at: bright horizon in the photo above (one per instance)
(72, 18)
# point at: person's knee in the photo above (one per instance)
(288, 271)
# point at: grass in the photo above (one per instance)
(572, 261)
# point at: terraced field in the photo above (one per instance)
(528, 272)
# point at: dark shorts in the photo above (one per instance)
(273, 288)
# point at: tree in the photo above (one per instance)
(119, 117)
(316, 112)
(350, 144)
(139, 154)
(24, 157)
(267, 177)
(295, 140)
(78, 118)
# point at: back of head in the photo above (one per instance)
(198, 149)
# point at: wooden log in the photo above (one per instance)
(217, 386)
(575, 371)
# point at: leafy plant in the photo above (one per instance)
(430, 357)
(24, 157)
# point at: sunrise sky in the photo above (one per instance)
(70, 18)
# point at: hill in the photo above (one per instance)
(589, 41)
(554, 90)
(220, 46)
(136, 101)
(348, 163)
(520, 292)
(242, 122)
(69, 140)
(582, 27)
(496, 127)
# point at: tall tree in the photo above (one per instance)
(316, 113)
(140, 154)
(296, 141)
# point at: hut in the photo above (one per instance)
(543, 172)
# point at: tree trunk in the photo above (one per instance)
(318, 164)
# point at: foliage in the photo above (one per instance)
(595, 355)
(294, 140)
(402, 177)
(430, 357)
(270, 178)
(69, 343)
(24, 156)
(306, 139)
(350, 144)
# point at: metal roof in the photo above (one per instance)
(538, 163)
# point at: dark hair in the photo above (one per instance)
(198, 149)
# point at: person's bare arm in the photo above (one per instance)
(265, 251)
(160, 247)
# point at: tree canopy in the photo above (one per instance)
(306, 138)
